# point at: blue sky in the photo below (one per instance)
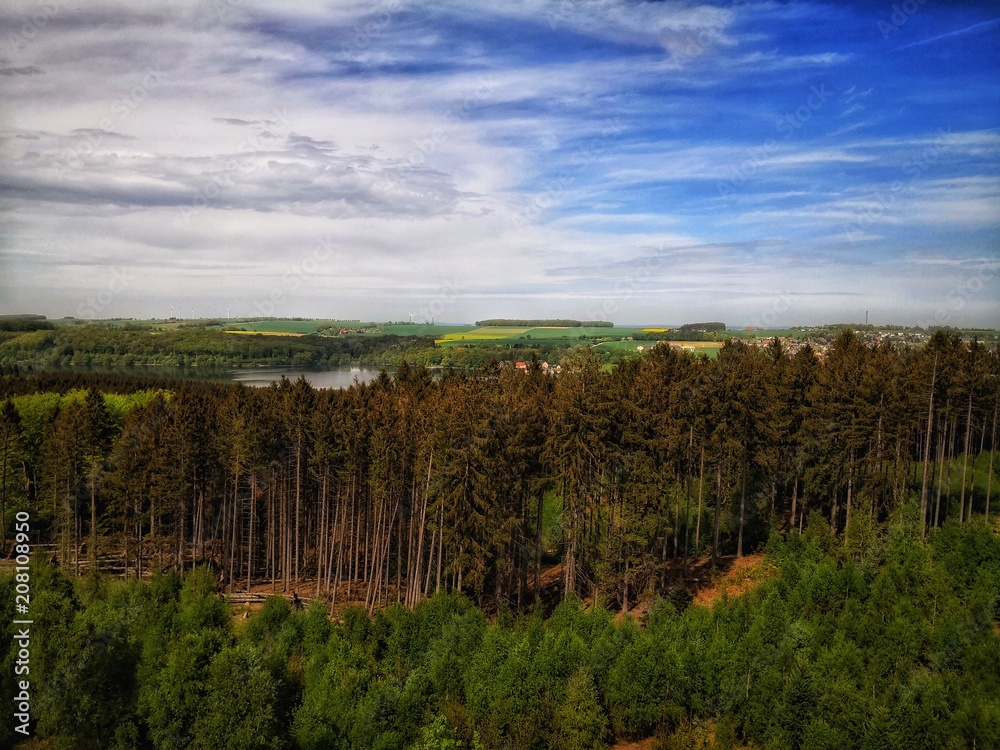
(760, 163)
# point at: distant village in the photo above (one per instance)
(820, 339)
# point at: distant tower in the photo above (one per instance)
(866, 317)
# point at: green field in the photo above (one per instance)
(623, 345)
(265, 333)
(767, 333)
(422, 329)
(487, 333)
(709, 348)
(540, 336)
(280, 326)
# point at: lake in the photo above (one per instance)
(343, 377)
(259, 377)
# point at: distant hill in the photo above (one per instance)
(703, 327)
(521, 323)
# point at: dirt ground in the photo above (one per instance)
(731, 575)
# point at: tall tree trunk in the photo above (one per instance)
(795, 496)
(437, 587)
(927, 453)
(298, 501)
(951, 467)
(743, 502)
(419, 568)
(718, 512)
(989, 474)
(92, 544)
(965, 455)
(253, 505)
(850, 492)
(701, 486)
(940, 472)
(321, 533)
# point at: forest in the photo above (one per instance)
(425, 513)
(45, 346)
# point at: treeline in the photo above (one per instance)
(108, 345)
(521, 323)
(677, 335)
(97, 345)
(887, 644)
(395, 490)
(703, 327)
(23, 324)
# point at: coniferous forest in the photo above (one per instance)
(452, 558)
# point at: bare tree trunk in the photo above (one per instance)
(989, 475)
(927, 449)
(321, 533)
(298, 502)
(965, 456)
(718, 512)
(850, 492)
(437, 588)
(951, 467)
(940, 471)
(701, 486)
(743, 502)
(253, 504)
(418, 571)
(92, 551)
(795, 497)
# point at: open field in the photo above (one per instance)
(768, 333)
(709, 348)
(483, 334)
(423, 329)
(540, 335)
(267, 333)
(281, 326)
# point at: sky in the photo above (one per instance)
(757, 163)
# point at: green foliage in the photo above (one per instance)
(897, 650)
(581, 723)
(241, 708)
(176, 695)
(200, 608)
(90, 690)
